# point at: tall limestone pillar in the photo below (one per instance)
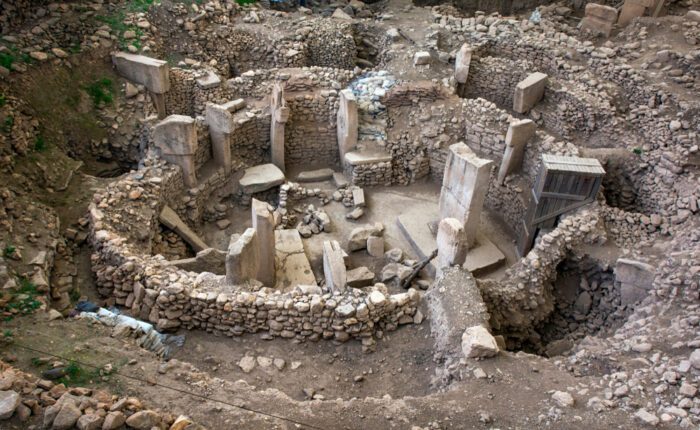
(464, 188)
(264, 225)
(280, 115)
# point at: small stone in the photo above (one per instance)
(646, 417)
(247, 364)
(477, 342)
(563, 399)
(67, 416)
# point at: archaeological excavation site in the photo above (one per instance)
(349, 214)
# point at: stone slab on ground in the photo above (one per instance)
(291, 263)
(315, 175)
(261, 178)
(357, 158)
(484, 257)
(170, 219)
(414, 225)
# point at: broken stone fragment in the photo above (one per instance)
(563, 399)
(477, 342)
(359, 235)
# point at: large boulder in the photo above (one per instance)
(143, 420)
(477, 342)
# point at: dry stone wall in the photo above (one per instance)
(171, 298)
(524, 297)
(310, 136)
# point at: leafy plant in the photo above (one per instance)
(40, 144)
(101, 92)
(6, 60)
(8, 251)
(3, 100)
(8, 123)
(637, 151)
(245, 2)
(77, 375)
(7, 333)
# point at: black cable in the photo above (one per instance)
(247, 409)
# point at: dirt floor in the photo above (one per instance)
(514, 394)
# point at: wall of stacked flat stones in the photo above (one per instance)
(14, 13)
(370, 175)
(495, 79)
(646, 125)
(171, 298)
(523, 298)
(332, 46)
(203, 153)
(310, 135)
(410, 152)
(250, 140)
(180, 99)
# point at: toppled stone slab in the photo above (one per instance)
(455, 303)
(477, 342)
(334, 266)
(291, 263)
(318, 175)
(170, 219)
(209, 80)
(261, 178)
(360, 277)
(208, 260)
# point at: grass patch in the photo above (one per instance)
(637, 151)
(8, 251)
(245, 2)
(116, 24)
(101, 92)
(3, 100)
(77, 375)
(140, 5)
(20, 301)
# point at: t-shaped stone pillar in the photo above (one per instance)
(347, 123)
(176, 137)
(280, 115)
(264, 225)
(219, 118)
(519, 132)
(242, 259)
(464, 188)
(151, 73)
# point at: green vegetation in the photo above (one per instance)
(13, 55)
(3, 100)
(40, 144)
(77, 375)
(116, 23)
(20, 301)
(8, 251)
(7, 124)
(101, 92)
(7, 333)
(74, 295)
(245, 2)
(637, 151)
(140, 5)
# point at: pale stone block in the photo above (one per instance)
(529, 91)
